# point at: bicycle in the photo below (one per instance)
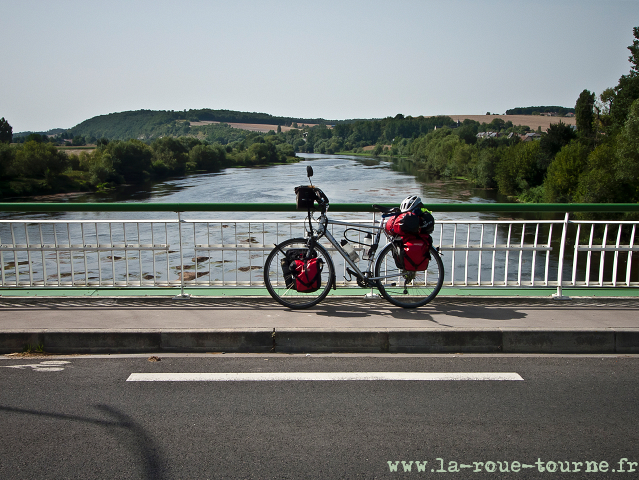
(407, 289)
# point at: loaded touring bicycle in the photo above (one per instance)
(407, 270)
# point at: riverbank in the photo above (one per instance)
(88, 170)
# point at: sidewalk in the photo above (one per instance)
(450, 324)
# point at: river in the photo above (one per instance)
(344, 179)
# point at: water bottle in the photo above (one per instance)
(350, 251)
(368, 242)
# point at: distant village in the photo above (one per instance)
(526, 137)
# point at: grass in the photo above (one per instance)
(30, 349)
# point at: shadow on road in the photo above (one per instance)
(128, 432)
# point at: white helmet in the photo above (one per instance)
(410, 203)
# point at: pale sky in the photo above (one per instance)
(63, 62)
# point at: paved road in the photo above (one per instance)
(83, 419)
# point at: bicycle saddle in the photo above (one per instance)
(385, 209)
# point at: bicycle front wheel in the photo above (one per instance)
(408, 289)
(276, 284)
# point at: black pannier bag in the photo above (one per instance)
(289, 257)
(305, 197)
(300, 273)
(427, 222)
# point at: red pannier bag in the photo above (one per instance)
(415, 253)
(308, 274)
(403, 224)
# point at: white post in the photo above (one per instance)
(182, 294)
(562, 250)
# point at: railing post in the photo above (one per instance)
(562, 250)
(182, 294)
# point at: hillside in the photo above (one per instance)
(149, 124)
(217, 124)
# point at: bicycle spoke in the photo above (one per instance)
(408, 289)
(288, 295)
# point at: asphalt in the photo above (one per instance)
(450, 324)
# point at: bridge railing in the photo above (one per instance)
(218, 252)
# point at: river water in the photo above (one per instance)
(344, 179)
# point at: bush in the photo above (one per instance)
(484, 167)
(286, 149)
(131, 159)
(7, 157)
(598, 183)
(564, 172)
(518, 170)
(207, 157)
(35, 159)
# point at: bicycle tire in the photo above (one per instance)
(419, 291)
(274, 278)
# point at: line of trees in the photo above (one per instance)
(599, 162)
(560, 111)
(41, 167)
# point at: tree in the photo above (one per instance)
(557, 136)
(36, 137)
(7, 156)
(518, 169)
(207, 157)
(131, 159)
(605, 101)
(496, 125)
(627, 171)
(598, 183)
(6, 131)
(584, 113)
(36, 159)
(627, 90)
(564, 172)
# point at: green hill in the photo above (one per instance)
(149, 124)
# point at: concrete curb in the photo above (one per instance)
(304, 340)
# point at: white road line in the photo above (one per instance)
(319, 376)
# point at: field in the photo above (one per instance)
(253, 127)
(533, 121)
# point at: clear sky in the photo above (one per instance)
(63, 62)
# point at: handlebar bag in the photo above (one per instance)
(308, 274)
(305, 197)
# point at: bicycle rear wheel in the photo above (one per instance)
(408, 289)
(276, 285)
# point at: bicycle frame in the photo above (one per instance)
(324, 221)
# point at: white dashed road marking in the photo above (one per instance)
(320, 376)
(47, 366)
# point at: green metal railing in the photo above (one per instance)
(334, 207)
